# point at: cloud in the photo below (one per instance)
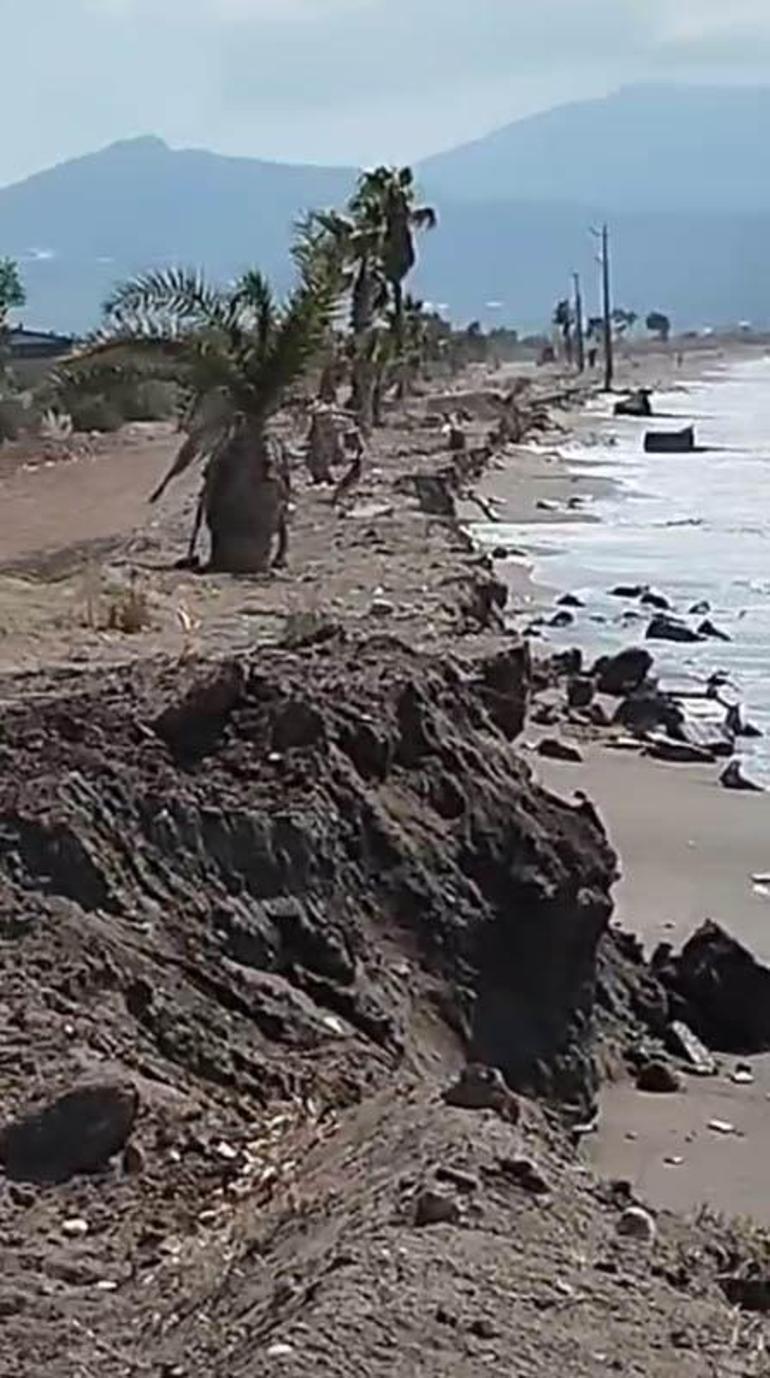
(342, 80)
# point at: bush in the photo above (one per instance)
(93, 412)
(151, 401)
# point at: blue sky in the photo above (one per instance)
(339, 80)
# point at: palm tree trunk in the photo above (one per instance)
(245, 505)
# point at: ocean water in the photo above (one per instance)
(695, 527)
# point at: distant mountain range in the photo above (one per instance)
(682, 173)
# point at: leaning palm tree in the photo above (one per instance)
(233, 354)
(385, 200)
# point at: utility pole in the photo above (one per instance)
(609, 362)
(581, 344)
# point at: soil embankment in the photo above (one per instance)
(268, 880)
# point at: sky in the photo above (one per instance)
(340, 81)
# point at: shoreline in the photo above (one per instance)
(688, 852)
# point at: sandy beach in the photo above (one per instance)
(688, 852)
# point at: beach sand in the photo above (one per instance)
(688, 852)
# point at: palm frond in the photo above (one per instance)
(424, 218)
(300, 336)
(176, 293)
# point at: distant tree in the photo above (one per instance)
(12, 294)
(659, 324)
(623, 320)
(564, 320)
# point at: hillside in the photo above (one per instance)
(646, 148)
(690, 230)
(81, 225)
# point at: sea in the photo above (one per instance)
(695, 527)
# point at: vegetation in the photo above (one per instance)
(564, 320)
(659, 324)
(233, 354)
(12, 293)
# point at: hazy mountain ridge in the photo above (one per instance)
(690, 233)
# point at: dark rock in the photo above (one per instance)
(566, 662)
(526, 1174)
(596, 714)
(650, 599)
(562, 619)
(545, 715)
(483, 1329)
(435, 1208)
(636, 404)
(679, 753)
(483, 1088)
(732, 777)
(647, 710)
(749, 1293)
(628, 591)
(666, 628)
(723, 989)
(570, 600)
(77, 1133)
(670, 442)
(658, 1078)
(623, 673)
(707, 628)
(500, 552)
(580, 691)
(686, 1045)
(700, 609)
(737, 726)
(557, 750)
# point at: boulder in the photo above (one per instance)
(628, 590)
(435, 1208)
(737, 726)
(647, 710)
(563, 618)
(666, 628)
(679, 753)
(732, 777)
(567, 662)
(78, 1132)
(700, 609)
(580, 691)
(722, 989)
(570, 600)
(651, 599)
(658, 1078)
(622, 673)
(556, 750)
(707, 628)
(636, 404)
(670, 442)
(482, 1088)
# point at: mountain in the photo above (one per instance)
(80, 226)
(647, 148)
(681, 172)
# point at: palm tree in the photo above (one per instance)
(563, 319)
(233, 354)
(385, 201)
